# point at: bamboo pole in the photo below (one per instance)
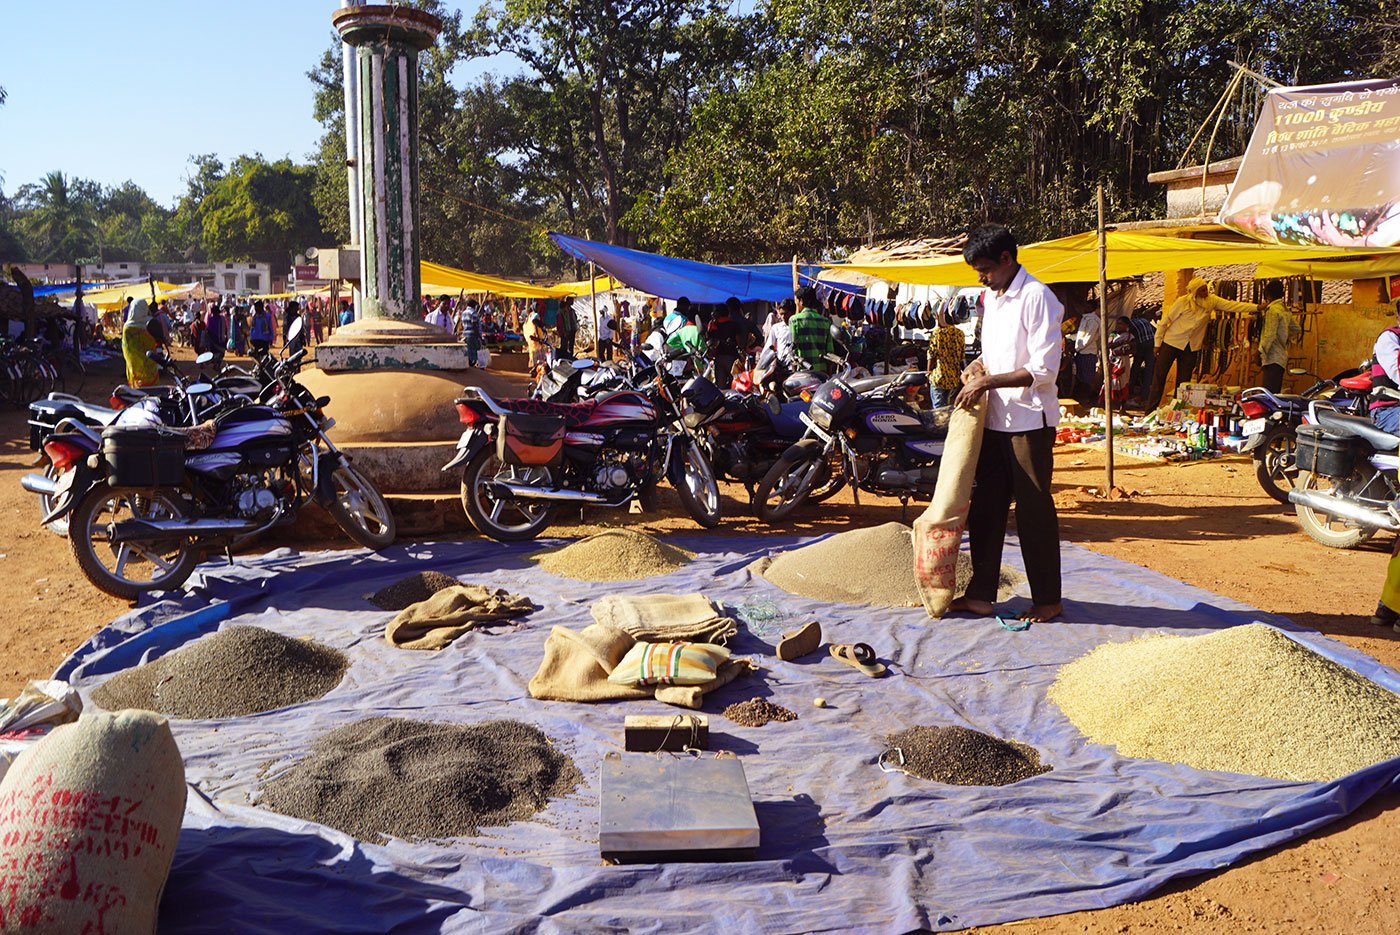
(593, 300)
(1103, 349)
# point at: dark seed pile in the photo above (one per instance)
(757, 711)
(962, 757)
(237, 671)
(388, 776)
(418, 586)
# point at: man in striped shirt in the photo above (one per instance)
(1140, 377)
(811, 332)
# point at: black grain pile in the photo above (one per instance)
(757, 711)
(418, 586)
(961, 757)
(408, 779)
(237, 671)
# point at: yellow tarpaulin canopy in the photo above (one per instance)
(116, 297)
(1075, 259)
(1332, 269)
(588, 286)
(439, 279)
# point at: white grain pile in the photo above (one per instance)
(1243, 700)
(874, 565)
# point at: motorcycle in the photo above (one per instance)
(145, 509)
(883, 444)
(520, 458)
(173, 406)
(1271, 421)
(1346, 489)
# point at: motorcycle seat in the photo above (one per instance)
(1362, 382)
(573, 414)
(866, 384)
(1361, 427)
(1292, 399)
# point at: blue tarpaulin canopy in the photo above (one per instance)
(671, 277)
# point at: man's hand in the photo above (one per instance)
(973, 370)
(973, 390)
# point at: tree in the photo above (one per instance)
(261, 210)
(57, 219)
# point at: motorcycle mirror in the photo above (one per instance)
(206, 357)
(199, 389)
(294, 331)
(1297, 371)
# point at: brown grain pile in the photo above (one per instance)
(418, 586)
(388, 776)
(874, 565)
(239, 670)
(614, 555)
(1243, 700)
(959, 756)
(758, 711)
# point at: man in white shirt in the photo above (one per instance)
(1086, 357)
(438, 315)
(1016, 372)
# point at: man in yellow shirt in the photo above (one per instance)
(1280, 330)
(1181, 332)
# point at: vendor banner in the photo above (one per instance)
(1323, 167)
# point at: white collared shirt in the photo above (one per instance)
(1021, 331)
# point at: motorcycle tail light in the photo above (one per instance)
(63, 453)
(1253, 410)
(466, 414)
(116, 401)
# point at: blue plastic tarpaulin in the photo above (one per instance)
(845, 846)
(671, 277)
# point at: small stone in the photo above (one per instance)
(819, 702)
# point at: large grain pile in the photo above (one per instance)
(961, 757)
(758, 711)
(415, 779)
(239, 670)
(874, 565)
(412, 589)
(614, 555)
(1244, 700)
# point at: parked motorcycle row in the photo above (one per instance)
(148, 486)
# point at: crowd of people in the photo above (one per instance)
(220, 326)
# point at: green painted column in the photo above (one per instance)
(387, 40)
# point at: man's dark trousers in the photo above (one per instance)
(1167, 355)
(1015, 465)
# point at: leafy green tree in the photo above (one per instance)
(261, 210)
(57, 218)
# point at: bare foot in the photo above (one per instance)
(1042, 613)
(970, 605)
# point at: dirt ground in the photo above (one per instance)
(1206, 523)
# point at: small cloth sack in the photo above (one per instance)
(669, 664)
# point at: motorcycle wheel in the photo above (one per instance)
(129, 569)
(1275, 465)
(694, 481)
(786, 487)
(360, 509)
(1331, 531)
(503, 520)
(830, 480)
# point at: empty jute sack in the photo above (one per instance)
(938, 530)
(577, 664)
(659, 618)
(437, 621)
(89, 819)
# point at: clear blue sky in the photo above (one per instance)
(130, 90)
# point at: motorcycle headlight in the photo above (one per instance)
(820, 417)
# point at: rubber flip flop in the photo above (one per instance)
(798, 643)
(858, 656)
(1014, 623)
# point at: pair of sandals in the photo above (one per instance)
(808, 638)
